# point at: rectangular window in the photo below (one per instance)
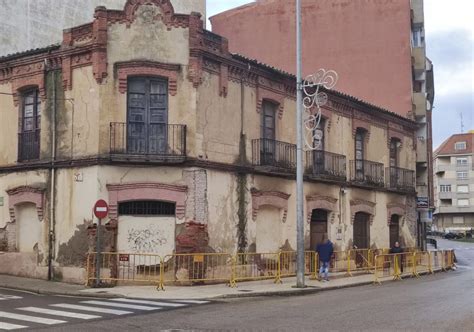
(417, 38)
(30, 125)
(445, 188)
(463, 188)
(460, 146)
(463, 202)
(461, 175)
(461, 161)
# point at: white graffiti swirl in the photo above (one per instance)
(313, 100)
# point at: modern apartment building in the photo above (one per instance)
(454, 183)
(377, 47)
(193, 148)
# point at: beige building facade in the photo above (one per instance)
(192, 147)
(454, 183)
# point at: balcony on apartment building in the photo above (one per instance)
(455, 209)
(147, 142)
(418, 58)
(325, 165)
(29, 145)
(400, 179)
(421, 150)
(366, 172)
(419, 102)
(273, 155)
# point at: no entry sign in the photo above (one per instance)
(101, 209)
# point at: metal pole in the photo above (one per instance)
(299, 156)
(97, 262)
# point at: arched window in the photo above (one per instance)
(29, 126)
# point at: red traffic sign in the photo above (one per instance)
(101, 209)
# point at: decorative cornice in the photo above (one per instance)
(395, 208)
(360, 205)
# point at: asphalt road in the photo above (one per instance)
(440, 302)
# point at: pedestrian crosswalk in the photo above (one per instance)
(62, 313)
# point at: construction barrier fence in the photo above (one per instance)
(208, 268)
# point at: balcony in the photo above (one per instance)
(419, 59)
(29, 145)
(419, 101)
(421, 150)
(445, 195)
(400, 179)
(455, 209)
(273, 155)
(325, 165)
(147, 142)
(367, 172)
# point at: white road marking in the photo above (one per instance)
(9, 297)
(191, 301)
(33, 319)
(163, 304)
(94, 309)
(121, 305)
(8, 326)
(59, 313)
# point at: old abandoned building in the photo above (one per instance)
(192, 147)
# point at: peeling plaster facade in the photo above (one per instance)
(224, 196)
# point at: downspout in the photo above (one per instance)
(52, 221)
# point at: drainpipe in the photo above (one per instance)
(52, 221)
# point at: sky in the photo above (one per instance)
(449, 33)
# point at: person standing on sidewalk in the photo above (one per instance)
(397, 250)
(325, 251)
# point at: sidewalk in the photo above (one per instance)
(218, 291)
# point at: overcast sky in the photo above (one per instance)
(449, 29)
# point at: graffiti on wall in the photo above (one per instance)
(146, 240)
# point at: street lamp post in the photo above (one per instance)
(312, 101)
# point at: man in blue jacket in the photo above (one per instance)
(324, 250)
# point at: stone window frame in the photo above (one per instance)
(275, 199)
(321, 202)
(359, 205)
(128, 69)
(396, 209)
(119, 193)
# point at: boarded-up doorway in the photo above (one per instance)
(394, 229)
(361, 230)
(268, 229)
(318, 227)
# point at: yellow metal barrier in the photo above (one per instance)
(256, 266)
(125, 267)
(287, 261)
(448, 259)
(422, 262)
(339, 262)
(359, 260)
(394, 265)
(436, 259)
(196, 268)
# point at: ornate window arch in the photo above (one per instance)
(321, 202)
(397, 209)
(359, 205)
(26, 194)
(271, 198)
(145, 191)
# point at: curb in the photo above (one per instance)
(51, 292)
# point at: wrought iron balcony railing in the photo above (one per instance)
(148, 140)
(400, 178)
(367, 172)
(268, 152)
(29, 145)
(323, 164)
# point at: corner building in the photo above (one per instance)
(192, 147)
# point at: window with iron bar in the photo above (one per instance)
(147, 208)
